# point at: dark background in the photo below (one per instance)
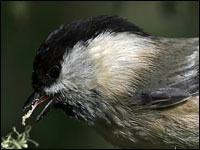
(25, 25)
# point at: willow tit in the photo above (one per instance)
(135, 89)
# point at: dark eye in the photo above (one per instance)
(54, 71)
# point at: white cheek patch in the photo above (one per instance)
(55, 88)
(117, 58)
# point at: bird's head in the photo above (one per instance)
(77, 68)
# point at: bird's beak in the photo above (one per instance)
(33, 101)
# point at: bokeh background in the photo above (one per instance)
(25, 25)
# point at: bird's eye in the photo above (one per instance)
(54, 71)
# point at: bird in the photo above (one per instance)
(135, 89)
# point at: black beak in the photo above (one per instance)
(34, 100)
(31, 100)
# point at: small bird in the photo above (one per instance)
(134, 89)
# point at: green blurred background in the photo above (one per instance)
(25, 25)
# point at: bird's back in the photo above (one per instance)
(183, 63)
